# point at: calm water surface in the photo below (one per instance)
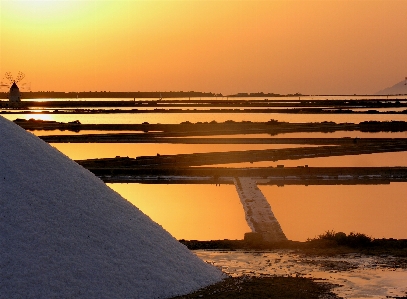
(176, 118)
(367, 160)
(207, 212)
(282, 99)
(79, 151)
(337, 134)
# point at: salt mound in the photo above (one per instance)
(65, 234)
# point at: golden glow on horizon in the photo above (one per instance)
(221, 46)
(31, 15)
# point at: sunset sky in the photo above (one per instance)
(222, 46)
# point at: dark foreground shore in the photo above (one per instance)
(265, 287)
(393, 254)
(327, 244)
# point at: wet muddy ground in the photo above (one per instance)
(265, 287)
(293, 274)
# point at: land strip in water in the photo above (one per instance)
(149, 138)
(212, 128)
(351, 243)
(207, 105)
(214, 158)
(210, 111)
(183, 167)
(193, 168)
(279, 176)
(208, 102)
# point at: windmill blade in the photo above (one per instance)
(9, 76)
(20, 77)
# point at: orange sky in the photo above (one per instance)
(222, 46)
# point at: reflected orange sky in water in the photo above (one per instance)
(307, 211)
(208, 212)
(177, 118)
(194, 212)
(78, 151)
(366, 160)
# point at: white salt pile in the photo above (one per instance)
(65, 234)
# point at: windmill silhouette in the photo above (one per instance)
(14, 94)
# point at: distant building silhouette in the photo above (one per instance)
(14, 95)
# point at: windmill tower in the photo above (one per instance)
(14, 95)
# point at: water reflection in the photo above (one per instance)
(81, 132)
(194, 212)
(80, 151)
(263, 97)
(365, 160)
(341, 134)
(206, 212)
(176, 118)
(307, 211)
(336, 134)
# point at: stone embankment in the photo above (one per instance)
(271, 127)
(221, 158)
(125, 169)
(295, 106)
(259, 215)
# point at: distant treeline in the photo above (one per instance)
(383, 126)
(135, 94)
(262, 94)
(328, 243)
(108, 94)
